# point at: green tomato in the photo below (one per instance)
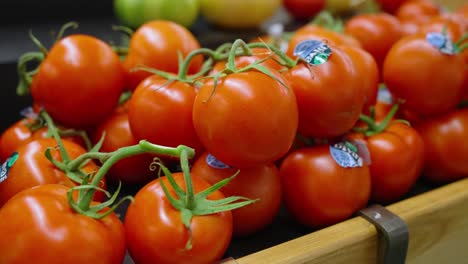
(237, 14)
(134, 13)
(344, 6)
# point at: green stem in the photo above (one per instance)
(286, 60)
(38, 43)
(375, 129)
(68, 25)
(111, 158)
(189, 198)
(185, 65)
(239, 43)
(25, 77)
(462, 39)
(463, 47)
(53, 130)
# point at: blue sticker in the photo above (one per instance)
(385, 96)
(441, 42)
(345, 156)
(313, 51)
(28, 112)
(215, 163)
(7, 165)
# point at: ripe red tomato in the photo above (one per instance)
(376, 32)
(303, 9)
(261, 182)
(318, 191)
(133, 169)
(311, 31)
(14, 136)
(445, 146)
(161, 112)
(242, 123)
(32, 168)
(330, 96)
(50, 231)
(418, 11)
(397, 159)
(79, 82)
(155, 232)
(429, 81)
(156, 44)
(390, 6)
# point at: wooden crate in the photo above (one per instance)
(438, 233)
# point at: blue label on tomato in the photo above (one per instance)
(215, 163)
(345, 156)
(313, 51)
(441, 42)
(7, 165)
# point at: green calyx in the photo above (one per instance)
(191, 204)
(373, 128)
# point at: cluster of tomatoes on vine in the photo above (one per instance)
(293, 118)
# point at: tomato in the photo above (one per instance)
(135, 13)
(303, 9)
(79, 82)
(261, 182)
(32, 168)
(445, 146)
(318, 191)
(51, 232)
(239, 14)
(397, 159)
(311, 31)
(330, 96)
(376, 32)
(418, 72)
(155, 233)
(14, 136)
(390, 6)
(418, 11)
(242, 123)
(161, 112)
(133, 169)
(366, 66)
(156, 44)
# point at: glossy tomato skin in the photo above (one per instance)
(250, 119)
(311, 31)
(417, 11)
(51, 232)
(330, 96)
(376, 32)
(130, 170)
(156, 44)
(303, 9)
(397, 159)
(32, 168)
(445, 146)
(261, 182)
(14, 136)
(161, 112)
(79, 82)
(156, 234)
(318, 192)
(429, 82)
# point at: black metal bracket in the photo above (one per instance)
(393, 234)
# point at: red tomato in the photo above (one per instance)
(133, 169)
(161, 112)
(79, 82)
(319, 192)
(303, 9)
(50, 231)
(391, 6)
(417, 72)
(445, 146)
(14, 136)
(330, 96)
(156, 44)
(376, 32)
(311, 31)
(397, 159)
(242, 123)
(418, 11)
(261, 182)
(155, 233)
(32, 168)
